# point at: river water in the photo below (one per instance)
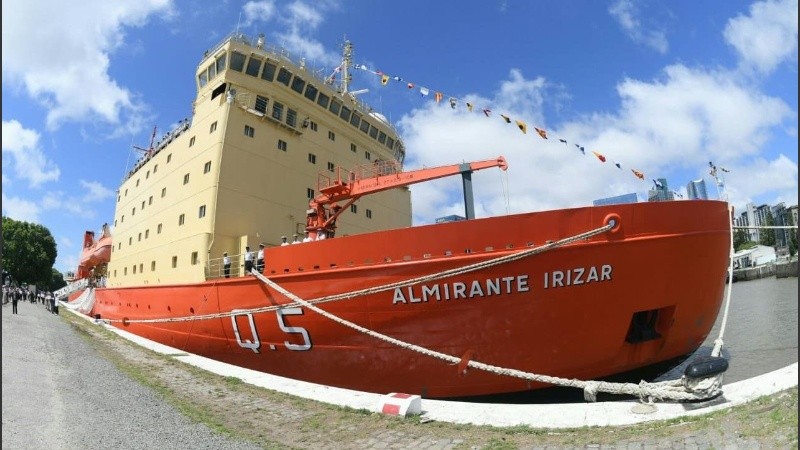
(760, 336)
(761, 332)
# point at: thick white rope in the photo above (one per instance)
(682, 389)
(386, 287)
(673, 389)
(718, 343)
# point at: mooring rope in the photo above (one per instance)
(683, 389)
(386, 287)
(672, 389)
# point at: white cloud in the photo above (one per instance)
(95, 191)
(751, 179)
(663, 127)
(298, 20)
(260, 11)
(768, 36)
(20, 209)
(30, 163)
(79, 44)
(627, 15)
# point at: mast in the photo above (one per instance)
(347, 59)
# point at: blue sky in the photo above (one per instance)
(659, 87)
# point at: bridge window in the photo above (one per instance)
(237, 61)
(355, 120)
(221, 63)
(253, 66)
(345, 114)
(284, 76)
(323, 100)
(298, 84)
(373, 132)
(382, 137)
(364, 126)
(335, 107)
(390, 142)
(269, 71)
(311, 92)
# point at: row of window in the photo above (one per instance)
(206, 169)
(201, 213)
(195, 259)
(212, 129)
(266, 69)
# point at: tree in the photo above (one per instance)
(740, 238)
(768, 234)
(57, 282)
(29, 252)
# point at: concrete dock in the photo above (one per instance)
(59, 392)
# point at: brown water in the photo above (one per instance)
(761, 333)
(760, 336)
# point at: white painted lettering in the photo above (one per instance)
(398, 297)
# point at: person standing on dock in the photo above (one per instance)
(14, 299)
(226, 264)
(248, 260)
(260, 258)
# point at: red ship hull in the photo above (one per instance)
(646, 292)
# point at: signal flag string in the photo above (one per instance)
(453, 101)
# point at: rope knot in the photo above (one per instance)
(590, 391)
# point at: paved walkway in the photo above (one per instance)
(58, 392)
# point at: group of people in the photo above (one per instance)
(14, 295)
(248, 260)
(250, 257)
(320, 236)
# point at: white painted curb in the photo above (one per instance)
(570, 415)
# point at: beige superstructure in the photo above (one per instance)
(242, 170)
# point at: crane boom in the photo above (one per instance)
(381, 176)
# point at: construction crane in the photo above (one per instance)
(380, 176)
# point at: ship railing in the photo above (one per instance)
(216, 266)
(283, 53)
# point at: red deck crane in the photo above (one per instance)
(380, 176)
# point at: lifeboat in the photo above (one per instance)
(95, 252)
